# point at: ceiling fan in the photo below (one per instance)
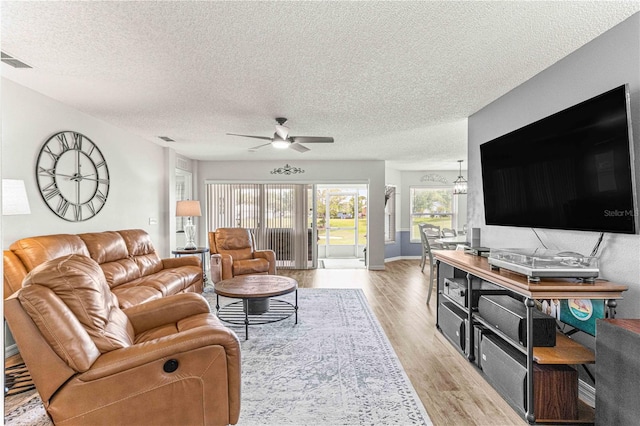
(282, 140)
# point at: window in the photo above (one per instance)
(430, 205)
(271, 211)
(389, 214)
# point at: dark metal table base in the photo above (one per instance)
(239, 312)
(17, 379)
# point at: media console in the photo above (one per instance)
(547, 383)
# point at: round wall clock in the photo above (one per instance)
(72, 176)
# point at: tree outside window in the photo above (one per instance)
(430, 205)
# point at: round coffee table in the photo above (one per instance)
(257, 305)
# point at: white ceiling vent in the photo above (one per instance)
(166, 138)
(182, 163)
(16, 63)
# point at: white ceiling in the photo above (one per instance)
(390, 81)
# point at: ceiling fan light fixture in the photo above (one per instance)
(280, 144)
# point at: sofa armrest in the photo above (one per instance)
(270, 256)
(122, 360)
(166, 310)
(221, 267)
(175, 262)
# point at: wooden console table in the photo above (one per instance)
(566, 351)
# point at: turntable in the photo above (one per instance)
(543, 263)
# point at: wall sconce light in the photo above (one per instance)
(14, 198)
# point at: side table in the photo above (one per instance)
(202, 251)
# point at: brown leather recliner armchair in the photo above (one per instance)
(168, 361)
(233, 253)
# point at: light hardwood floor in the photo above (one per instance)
(452, 391)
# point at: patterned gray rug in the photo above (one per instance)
(335, 367)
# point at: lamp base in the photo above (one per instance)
(190, 235)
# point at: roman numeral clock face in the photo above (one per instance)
(72, 176)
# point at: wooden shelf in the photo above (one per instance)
(586, 415)
(547, 288)
(566, 351)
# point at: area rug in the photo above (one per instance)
(335, 367)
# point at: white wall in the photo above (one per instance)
(139, 183)
(369, 172)
(606, 62)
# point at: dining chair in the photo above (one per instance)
(448, 232)
(428, 234)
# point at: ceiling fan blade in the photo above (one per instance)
(266, 138)
(297, 147)
(259, 146)
(311, 139)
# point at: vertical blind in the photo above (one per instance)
(276, 213)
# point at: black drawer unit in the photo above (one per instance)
(510, 316)
(456, 290)
(453, 324)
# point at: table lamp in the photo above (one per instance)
(188, 209)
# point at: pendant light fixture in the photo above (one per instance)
(460, 184)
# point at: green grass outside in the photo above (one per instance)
(344, 236)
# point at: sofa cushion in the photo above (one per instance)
(250, 266)
(236, 242)
(131, 295)
(33, 251)
(104, 247)
(110, 251)
(80, 284)
(59, 327)
(141, 251)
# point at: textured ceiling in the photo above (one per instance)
(390, 81)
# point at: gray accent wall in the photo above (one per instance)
(604, 63)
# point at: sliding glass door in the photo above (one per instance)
(341, 221)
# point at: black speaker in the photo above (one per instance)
(510, 316)
(453, 321)
(617, 372)
(505, 369)
(555, 386)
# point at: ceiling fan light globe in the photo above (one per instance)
(280, 144)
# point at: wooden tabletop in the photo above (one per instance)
(547, 288)
(255, 286)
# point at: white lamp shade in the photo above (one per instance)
(14, 197)
(188, 208)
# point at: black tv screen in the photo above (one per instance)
(571, 170)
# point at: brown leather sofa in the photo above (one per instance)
(165, 362)
(233, 252)
(134, 272)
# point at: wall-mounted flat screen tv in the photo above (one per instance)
(571, 170)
